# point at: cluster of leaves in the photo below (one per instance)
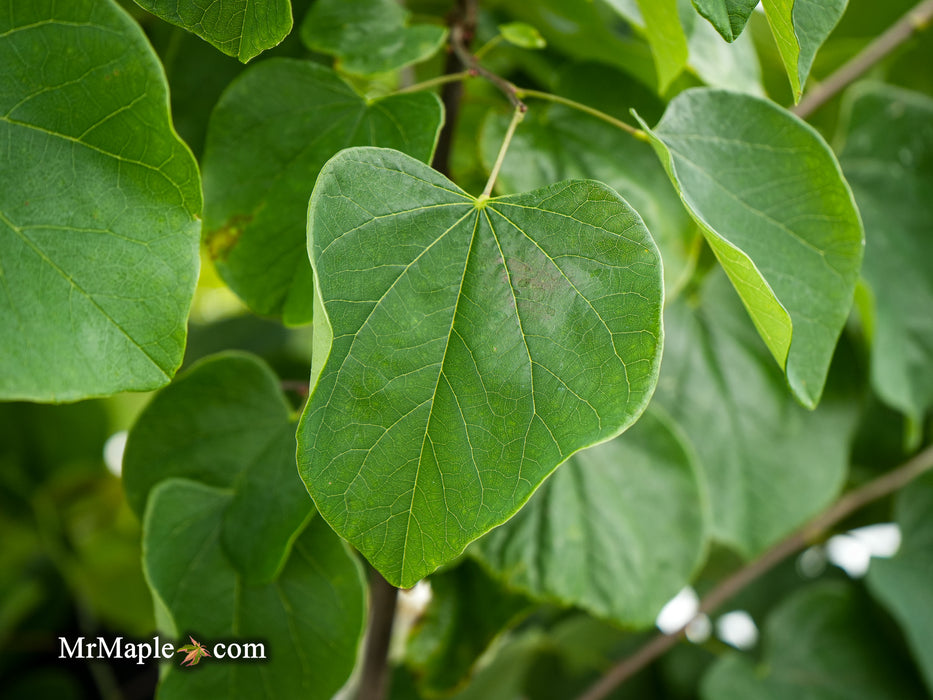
(487, 403)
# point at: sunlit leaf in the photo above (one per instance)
(800, 27)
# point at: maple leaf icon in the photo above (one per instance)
(195, 652)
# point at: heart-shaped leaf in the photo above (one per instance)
(239, 28)
(309, 620)
(98, 235)
(617, 531)
(226, 423)
(464, 348)
(269, 137)
(788, 236)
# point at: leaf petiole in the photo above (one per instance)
(523, 93)
(517, 117)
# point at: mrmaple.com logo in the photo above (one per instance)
(141, 652)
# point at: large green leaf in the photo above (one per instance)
(239, 28)
(888, 159)
(788, 235)
(558, 143)
(226, 423)
(98, 235)
(769, 463)
(465, 348)
(269, 136)
(369, 36)
(902, 584)
(618, 530)
(820, 644)
(310, 619)
(728, 16)
(667, 39)
(800, 27)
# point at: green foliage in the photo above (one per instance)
(631, 365)
(728, 16)
(818, 645)
(902, 584)
(311, 615)
(239, 28)
(455, 372)
(97, 210)
(617, 531)
(240, 437)
(887, 156)
(790, 239)
(269, 136)
(369, 36)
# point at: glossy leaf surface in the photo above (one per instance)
(98, 228)
(464, 349)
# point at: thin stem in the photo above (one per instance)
(618, 123)
(913, 21)
(374, 680)
(487, 47)
(435, 82)
(517, 117)
(458, 43)
(813, 531)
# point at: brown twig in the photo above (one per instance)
(462, 22)
(912, 22)
(812, 532)
(374, 679)
(459, 45)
